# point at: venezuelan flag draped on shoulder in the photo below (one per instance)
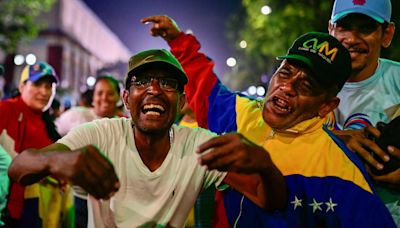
(327, 184)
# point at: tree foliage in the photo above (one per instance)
(268, 36)
(17, 21)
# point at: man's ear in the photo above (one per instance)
(182, 101)
(125, 98)
(330, 27)
(21, 87)
(388, 35)
(328, 106)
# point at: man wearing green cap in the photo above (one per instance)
(372, 93)
(327, 184)
(149, 171)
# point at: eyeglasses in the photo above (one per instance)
(167, 84)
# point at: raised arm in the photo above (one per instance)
(250, 169)
(86, 167)
(212, 103)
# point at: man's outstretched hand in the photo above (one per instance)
(162, 26)
(86, 167)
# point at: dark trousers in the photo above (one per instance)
(81, 212)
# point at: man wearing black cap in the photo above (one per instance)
(327, 184)
(159, 168)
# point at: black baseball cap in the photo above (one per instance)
(156, 58)
(325, 56)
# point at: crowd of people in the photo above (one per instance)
(191, 152)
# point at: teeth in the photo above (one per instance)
(281, 105)
(281, 102)
(153, 109)
(153, 113)
(154, 106)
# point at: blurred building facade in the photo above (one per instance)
(75, 42)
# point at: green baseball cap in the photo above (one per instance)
(156, 58)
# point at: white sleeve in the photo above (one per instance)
(211, 176)
(83, 135)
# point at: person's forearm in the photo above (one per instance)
(267, 189)
(29, 167)
(273, 188)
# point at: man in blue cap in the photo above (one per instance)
(24, 124)
(372, 93)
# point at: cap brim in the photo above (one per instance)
(341, 15)
(297, 57)
(308, 64)
(40, 76)
(180, 76)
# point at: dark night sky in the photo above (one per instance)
(206, 18)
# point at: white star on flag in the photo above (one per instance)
(315, 205)
(296, 202)
(330, 205)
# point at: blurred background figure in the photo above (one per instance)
(55, 109)
(2, 81)
(103, 104)
(86, 99)
(26, 123)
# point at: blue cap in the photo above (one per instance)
(37, 71)
(379, 10)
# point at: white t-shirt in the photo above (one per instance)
(163, 197)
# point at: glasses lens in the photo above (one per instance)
(168, 83)
(141, 82)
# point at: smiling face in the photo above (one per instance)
(105, 98)
(153, 108)
(294, 96)
(364, 38)
(36, 95)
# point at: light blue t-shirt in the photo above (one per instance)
(5, 161)
(372, 100)
(368, 102)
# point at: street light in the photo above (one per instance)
(19, 60)
(231, 62)
(90, 81)
(252, 90)
(266, 10)
(243, 44)
(30, 59)
(260, 91)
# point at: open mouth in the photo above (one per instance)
(153, 109)
(357, 51)
(281, 105)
